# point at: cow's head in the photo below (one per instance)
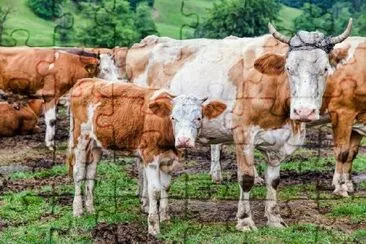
(307, 66)
(187, 113)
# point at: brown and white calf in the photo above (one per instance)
(45, 73)
(20, 120)
(146, 122)
(262, 97)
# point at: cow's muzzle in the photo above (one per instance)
(184, 142)
(305, 114)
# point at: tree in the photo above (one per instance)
(45, 8)
(239, 18)
(144, 21)
(113, 23)
(319, 20)
(135, 3)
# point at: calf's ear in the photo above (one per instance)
(270, 64)
(213, 109)
(161, 107)
(337, 55)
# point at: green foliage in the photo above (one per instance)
(115, 24)
(135, 3)
(239, 18)
(332, 21)
(45, 8)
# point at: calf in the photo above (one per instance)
(19, 120)
(137, 120)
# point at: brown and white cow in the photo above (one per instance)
(261, 95)
(344, 99)
(44, 73)
(20, 119)
(137, 120)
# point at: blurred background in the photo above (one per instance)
(110, 23)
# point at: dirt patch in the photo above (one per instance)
(292, 212)
(105, 233)
(31, 184)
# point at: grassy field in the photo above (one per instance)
(39, 208)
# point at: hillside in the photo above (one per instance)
(23, 23)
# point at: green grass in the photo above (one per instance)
(286, 17)
(40, 30)
(169, 19)
(35, 215)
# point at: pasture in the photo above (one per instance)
(36, 198)
(247, 75)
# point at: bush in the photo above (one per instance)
(46, 9)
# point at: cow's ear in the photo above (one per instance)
(161, 107)
(337, 55)
(270, 64)
(213, 109)
(90, 68)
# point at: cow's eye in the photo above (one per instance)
(173, 118)
(199, 119)
(326, 70)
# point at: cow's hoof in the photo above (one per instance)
(259, 181)
(246, 224)
(164, 217)
(154, 231)
(340, 192)
(90, 209)
(216, 177)
(77, 212)
(350, 187)
(276, 224)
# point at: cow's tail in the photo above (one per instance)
(70, 157)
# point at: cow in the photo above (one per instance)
(141, 121)
(43, 73)
(112, 61)
(141, 61)
(344, 100)
(271, 85)
(19, 119)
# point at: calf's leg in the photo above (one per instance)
(165, 179)
(79, 176)
(153, 185)
(91, 171)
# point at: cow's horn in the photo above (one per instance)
(344, 35)
(278, 35)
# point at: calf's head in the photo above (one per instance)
(186, 114)
(307, 67)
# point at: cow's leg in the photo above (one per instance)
(257, 179)
(347, 166)
(50, 120)
(91, 171)
(215, 170)
(342, 129)
(79, 176)
(272, 212)
(165, 179)
(245, 158)
(153, 181)
(144, 193)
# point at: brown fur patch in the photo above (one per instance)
(213, 109)
(270, 64)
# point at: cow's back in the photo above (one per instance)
(118, 113)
